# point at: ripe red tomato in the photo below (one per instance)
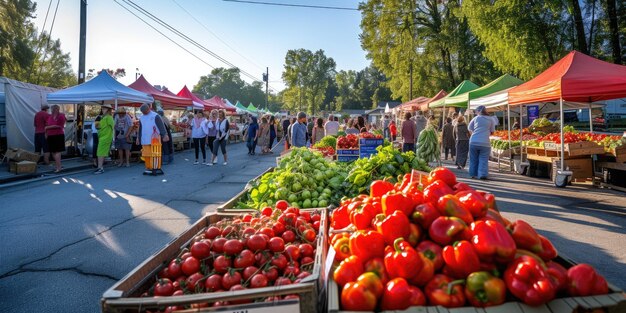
(316, 217)
(278, 229)
(292, 269)
(306, 216)
(289, 236)
(309, 235)
(282, 205)
(271, 273)
(228, 230)
(221, 264)
(213, 282)
(190, 265)
(261, 258)
(256, 242)
(282, 281)
(249, 231)
(201, 250)
(163, 287)
(280, 261)
(246, 218)
(230, 279)
(267, 231)
(193, 282)
(292, 252)
(233, 246)
(174, 269)
(218, 245)
(244, 259)
(277, 244)
(267, 211)
(316, 225)
(212, 232)
(306, 250)
(258, 281)
(307, 260)
(249, 272)
(185, 255)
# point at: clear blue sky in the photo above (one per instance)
(261, 34)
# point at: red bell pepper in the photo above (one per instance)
(361, 214)
(367, 244)
(417, 297)
(397, 295)
(529, 281)
(357, 297)
(493, 215)
(340, 218)
(397, 202)
(583, 280)
(380, 187)
(525, 236)
(377, 266)
(424, 215)
(342, 249)
(461, 259)
(446, 230)
(474, 202)
(491, 202)
(492, 242)
(483, 289)
(548, 251)
(393, 226)
(436, 190)
(458, 187)
(449, 205)
(442, 290)
(433, 252)
(403, 261)
(415, 233)
(348, 270)
(372, 282)
(558, 273)
(425, 274)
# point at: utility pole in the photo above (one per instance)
(411, 80)
(80, 110)
(266, 79)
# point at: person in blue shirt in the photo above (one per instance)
(299, 131)
(481, 127)
(251, 135)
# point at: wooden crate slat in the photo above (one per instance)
(512, 307)
(619, 297)
(559, 305)
(605, 300)
(592, 302)
(534, 309)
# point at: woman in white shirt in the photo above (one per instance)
(198, 135)
(223, 127)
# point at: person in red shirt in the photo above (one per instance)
(55, 135)
(393, 130)
(41, 118)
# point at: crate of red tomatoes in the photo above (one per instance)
(253, 262)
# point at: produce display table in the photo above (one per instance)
(613, 175)
(178, 140)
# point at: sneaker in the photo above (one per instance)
(195, 163)
(215, 162)
(225, 163)
(204, 162)
(99, 171)
(209, 164)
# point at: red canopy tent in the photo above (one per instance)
(576, 78)
(414, 104)
(167, 101)
(424, 105)
(186, 93)
(216, 100)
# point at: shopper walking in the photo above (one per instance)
(263, 135)
(461, 137)
(251, 135)
(447, 138)
(299, 131)
(481, 126)
(41, 146)
(352, 127)
(332, 126)
(150, 122)
(211, 129)
(167, 147)
(199, 136)
(393, 131)
(409, 133)
(55, 136)
(272, 133)
(318, 131)
(105, 136)
(420, 122)
(289, 128)
(286, 123)
(223, 127)
(123, 124)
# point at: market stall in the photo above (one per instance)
(576, 78)
(198, 104)
(450, 102)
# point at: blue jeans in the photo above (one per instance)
(251, 144)
(408, 147)
(479, 161)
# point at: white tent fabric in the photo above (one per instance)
(22, 102)
(496, 101)
(102, 89)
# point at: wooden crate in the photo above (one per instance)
(619, 153)
(574, 149)
(615, 301)
(123, 296)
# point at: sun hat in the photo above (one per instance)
(108, 106)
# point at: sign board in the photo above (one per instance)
(367, 146)
(347, 158)
(548, 145)
(533, 113)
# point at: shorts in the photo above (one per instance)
(122, 144)
(56, 143)
(41, 143)
(104, 147)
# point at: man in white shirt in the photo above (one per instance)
(332, 126)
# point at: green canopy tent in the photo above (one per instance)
(462, 88)
(241, 106)
(503, 82)
(252, 108)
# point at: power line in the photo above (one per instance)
(187, 38)
(294, 5)
(45, 51)
(39, 46)
(216, 36)
(164, 35)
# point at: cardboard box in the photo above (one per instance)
(581, 168)
(22, 167)
(17, 154)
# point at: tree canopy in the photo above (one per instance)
(227, 83)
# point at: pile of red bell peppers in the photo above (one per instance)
(444, 243)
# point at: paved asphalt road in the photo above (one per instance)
(67, 240)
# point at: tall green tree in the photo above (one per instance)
(51, 66)
(227, 83)
(16, 29)
(307, 76)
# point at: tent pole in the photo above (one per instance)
(562, 135)
(590, 120)
(508, 115)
